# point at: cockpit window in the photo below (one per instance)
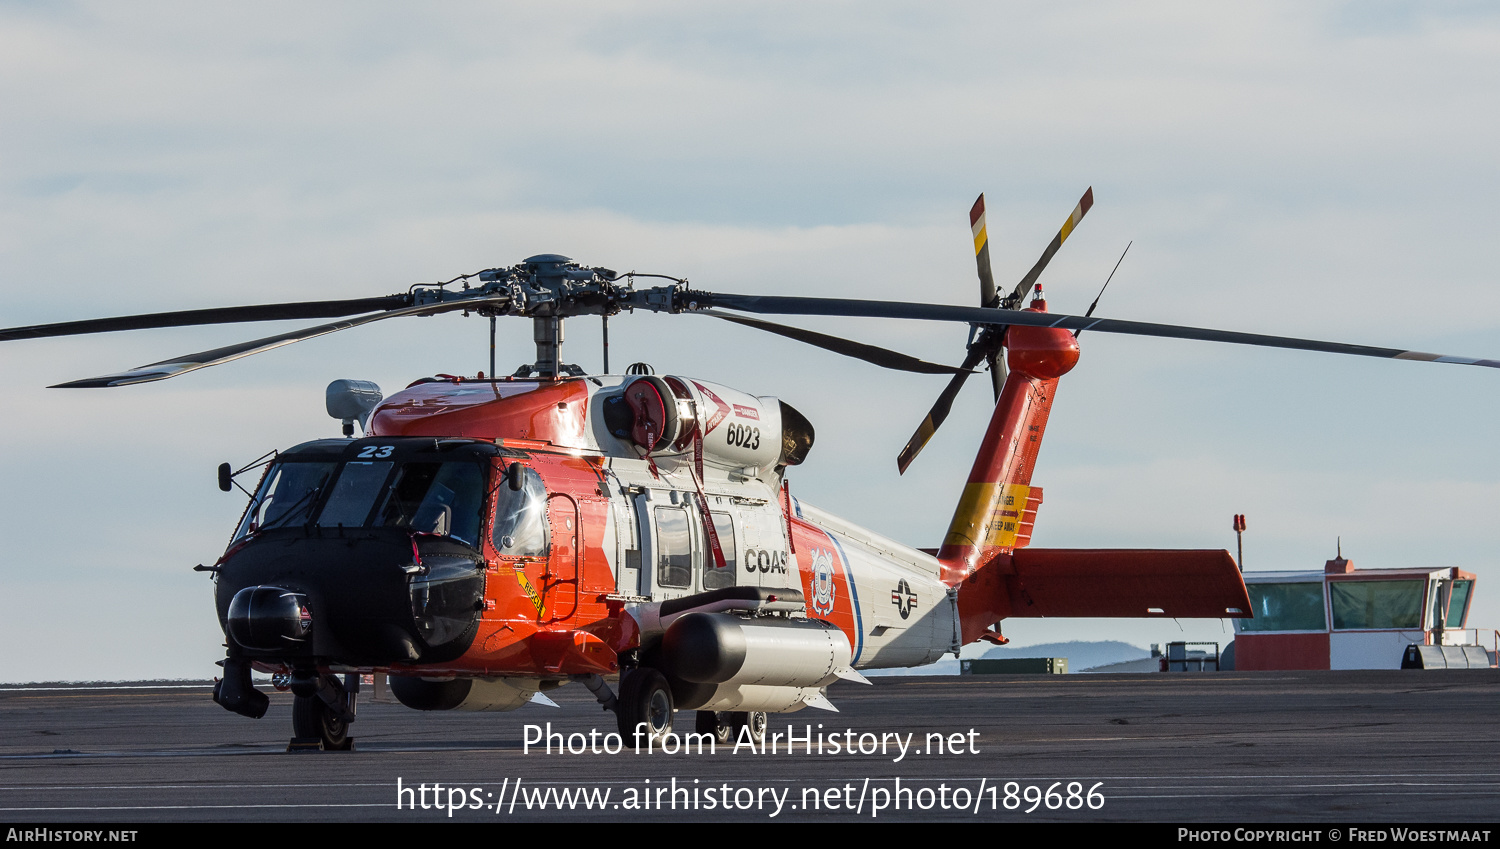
(433, 497)
(359, 484)
(521, 528)
(287, 496)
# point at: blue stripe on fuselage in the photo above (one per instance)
(859, 624)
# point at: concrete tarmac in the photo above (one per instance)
(1373, 748)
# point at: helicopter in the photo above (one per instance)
(487, 539)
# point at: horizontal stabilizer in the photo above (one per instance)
(1126, 582)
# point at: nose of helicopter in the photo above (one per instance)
(368, 598)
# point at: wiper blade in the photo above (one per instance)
(290, 511)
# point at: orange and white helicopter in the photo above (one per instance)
(490, 538)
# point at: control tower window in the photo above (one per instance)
(1285, 607)
(1369, 605)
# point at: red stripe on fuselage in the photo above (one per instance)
(817, 554)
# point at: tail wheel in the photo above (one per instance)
(716, 723)
(756, 721)
(311, 717)
(645, 706)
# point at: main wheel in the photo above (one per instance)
(645, 705)
(715, 723)
(311, 717)
(759, 722)
(756, 721)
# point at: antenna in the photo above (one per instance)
(1106, 284)
(1239, 528)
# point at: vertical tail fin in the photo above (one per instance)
(985, 552)
(991, 516)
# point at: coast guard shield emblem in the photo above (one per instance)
(822, 582)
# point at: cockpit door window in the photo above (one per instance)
(521, 528)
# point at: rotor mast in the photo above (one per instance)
(547, 332)
(548, 288)
(546, 279)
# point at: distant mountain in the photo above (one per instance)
(1081, 656)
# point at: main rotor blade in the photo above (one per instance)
(217, 315)
(849, 348)
(782, 305)
(938, 413)
(204, 359)
(1023, 288)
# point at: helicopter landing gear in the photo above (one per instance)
(645, 707)
(716, 723)
(322, 709)
(754, 721)
(316, 726)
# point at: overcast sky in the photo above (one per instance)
(1312, 169)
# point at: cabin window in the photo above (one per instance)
(715, 578)
(521, 528)
(1285, 607)
(674, 548)
(1367, 605)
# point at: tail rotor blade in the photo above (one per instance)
(987, 293)
(995, 356)
(1014, 299)
(987, 290)
(938, 413)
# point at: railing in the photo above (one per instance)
(1180, 658)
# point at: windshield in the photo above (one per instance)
(432, 497)
(286, 496)
(435, 498)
